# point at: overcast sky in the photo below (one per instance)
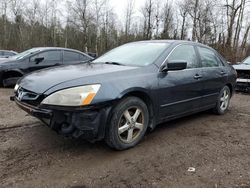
(120, 6)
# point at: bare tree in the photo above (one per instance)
(128, 17)
(232, 9)
(158, 18)
(108, 27)
(239, 24)
(92, 25)
(98, 8)
(245, 38)
(17, 10)
(4, 5)
(148, 12)
(81, 18)
(193, 11)
(183, 7)
(167, 21)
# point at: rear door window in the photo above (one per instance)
(209, 58)
(54, 55)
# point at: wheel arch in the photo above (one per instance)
(12, 72)
(231, 88)
(9, 74)
(145, 97)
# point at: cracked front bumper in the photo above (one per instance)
(87, 122)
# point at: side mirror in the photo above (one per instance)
(173, 66)
(39, 60)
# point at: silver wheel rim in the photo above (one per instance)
(131, 125)
(224, 100)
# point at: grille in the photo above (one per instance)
(28, 97)
(243, 74)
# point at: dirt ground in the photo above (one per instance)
(218, 147)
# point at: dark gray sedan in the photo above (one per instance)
(128, 90)
(7, 53)
(14, 67)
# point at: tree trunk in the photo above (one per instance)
(195, 20)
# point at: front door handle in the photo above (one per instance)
(223, 73)
(197, 76)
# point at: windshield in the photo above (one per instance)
(247, 61)
(25, 53)
(134, 54)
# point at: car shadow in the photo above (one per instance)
(243, 92)
(81, 145)
(44, 140)
(173, 124)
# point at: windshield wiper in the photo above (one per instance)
(114, 63)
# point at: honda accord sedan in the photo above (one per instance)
(129, 90)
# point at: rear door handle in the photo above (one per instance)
(197, 76)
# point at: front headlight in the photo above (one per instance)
(76, 96)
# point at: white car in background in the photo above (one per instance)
(243, 71)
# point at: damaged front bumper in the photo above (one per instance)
(87, 122)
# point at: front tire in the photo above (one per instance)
(10, 81)
(128, 125)
(223, 101)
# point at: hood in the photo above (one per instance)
(42, 80)
(242, 67)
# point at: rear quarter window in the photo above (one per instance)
(71, 56)
(84, 57)
(9, 53)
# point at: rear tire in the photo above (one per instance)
(223, 101)
(128, 124)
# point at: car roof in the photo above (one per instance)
(55, 48)
(176, 42)
(8, 51)
(59, 48)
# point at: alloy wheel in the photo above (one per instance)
(131, 125)
(224, 100)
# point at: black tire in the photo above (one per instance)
(221, 109)
(10, 81)
(118, 137)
